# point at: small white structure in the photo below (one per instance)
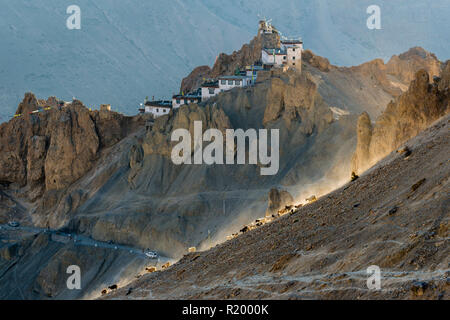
(289, 54)
(178, 100)
(229, 82)
(293, 50)
(274, 56)
(209, 89)
(157, 108)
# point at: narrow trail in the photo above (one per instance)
(78, 240)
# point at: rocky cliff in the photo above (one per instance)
(409, 114)
(226, 64)
(404, 66)
(49, 150)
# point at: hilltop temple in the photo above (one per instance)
(286, 54)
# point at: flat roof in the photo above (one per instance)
(255, 68)
(292, 41)
(159, 104)
(233, 77)
(210, 84)
(277, 51)
(186, 96)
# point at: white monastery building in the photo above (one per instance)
(274, 56)
(157, 108)
(210, 89)
(229, 82)
(293, 50)
(178, 100)
(288, 55)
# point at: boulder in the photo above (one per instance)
(361, 156)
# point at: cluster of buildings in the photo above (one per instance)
(287, 55)
(290, 54)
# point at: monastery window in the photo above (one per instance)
(178, 101)
(223, 81)
(211, 90)
(238, 82)
(230, 82)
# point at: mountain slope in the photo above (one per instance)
(385, 218)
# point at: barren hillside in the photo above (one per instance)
(395, 216)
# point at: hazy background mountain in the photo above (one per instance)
(129, 49)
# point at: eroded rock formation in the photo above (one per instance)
(278, 199)
(316, 61)
(412, 112)
(405, 65)
(50, 150)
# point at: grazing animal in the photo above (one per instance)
(244, 229)
(150, 269)
(405, 151)
(113, 287)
